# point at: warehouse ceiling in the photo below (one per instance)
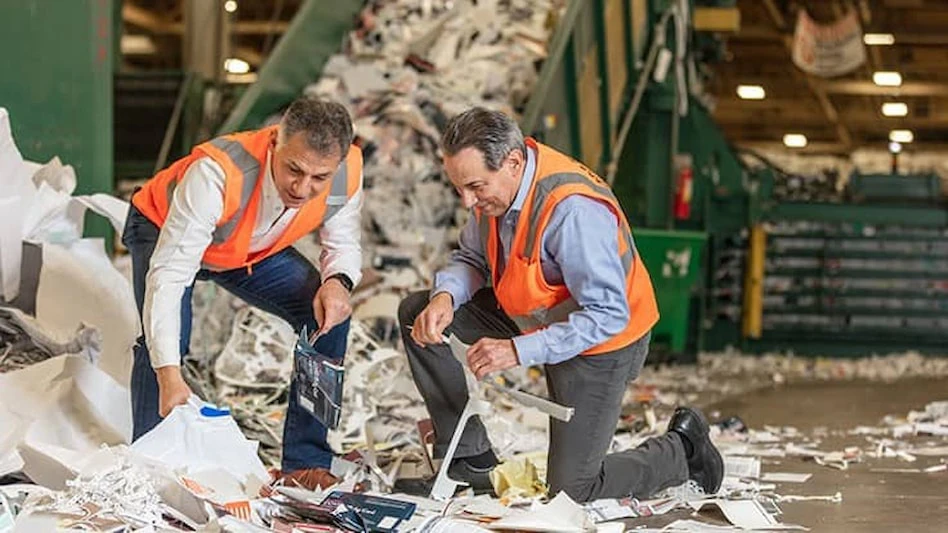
(255, 25)
(836, 115)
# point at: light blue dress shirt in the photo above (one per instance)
(580, 249)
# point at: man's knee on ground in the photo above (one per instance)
(579, 490)
(411, 306)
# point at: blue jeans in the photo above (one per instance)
(283, 284)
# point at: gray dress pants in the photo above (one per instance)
(577, 462)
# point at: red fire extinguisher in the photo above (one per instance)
(684, 186)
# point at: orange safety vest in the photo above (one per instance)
(243, 156)
(522, 291)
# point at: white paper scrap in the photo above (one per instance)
(929, 428)
(611, 527)
(694, 526)
(742, 467)
(786, 477)
(745, 514)
(930, 451)
(561, 514)
(608, 509)
(835, 498)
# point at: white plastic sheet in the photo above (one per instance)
(16, 193)
(78, 284)
(56, 412)
(190, 443)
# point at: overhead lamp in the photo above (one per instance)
(887, 79)
(230, 6)
(751, 92)
(794, 140)
(136, 45)
(236, 66)
(895, 147)
(901, 136)
(878, 39)
(895, 109)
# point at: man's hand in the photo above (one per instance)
(430, 323)
(491, 355)
(331, 305)
(172, 389)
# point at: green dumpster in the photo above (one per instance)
(674, 261)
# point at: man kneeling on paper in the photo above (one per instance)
(567, 291)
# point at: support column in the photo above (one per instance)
(206, 38)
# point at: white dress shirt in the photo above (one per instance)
(196, 207)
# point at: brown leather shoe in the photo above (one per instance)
(306, 478)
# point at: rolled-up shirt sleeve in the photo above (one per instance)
(466, 271)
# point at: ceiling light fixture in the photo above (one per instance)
(901, 136)
(794, 140)
(751, 92)
(887, 79)
(878, 39)
(895, 109)
(236, 66)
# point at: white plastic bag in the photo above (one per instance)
(196, 438)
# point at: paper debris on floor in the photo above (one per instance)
(517, 479)
(693, 526)
(742, 467)
(561, 514)
(745, 514)
(607, 510)
(58, 411)
(785, 477)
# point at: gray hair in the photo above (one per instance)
(493, 133)
(326, 125)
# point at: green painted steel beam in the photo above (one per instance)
(860, 214)
(602, 53)
(572, 101)
(558, 53)
(843, 273)
(922, 293)
(315, 34)
(57, 87)
(837, 254)
(848, 346)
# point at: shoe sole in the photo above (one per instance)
(719, 463)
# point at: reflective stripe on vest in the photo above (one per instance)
(543, 316)
(338, 192)
(543, 190)
(250, 168)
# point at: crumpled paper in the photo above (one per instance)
(517, 479)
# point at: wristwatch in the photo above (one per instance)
(344, 279)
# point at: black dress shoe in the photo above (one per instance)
(705, 464)
(477, 478)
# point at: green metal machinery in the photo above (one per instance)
(839, 278)
(57, 86)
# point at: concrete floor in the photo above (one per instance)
(872, 501)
